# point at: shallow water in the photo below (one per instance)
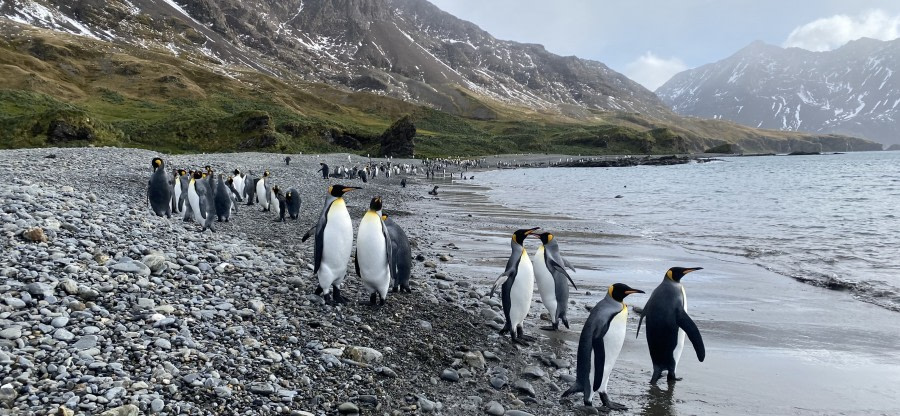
(830, 220)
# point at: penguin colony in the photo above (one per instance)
(383, 256)
(383, 261)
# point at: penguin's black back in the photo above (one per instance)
(661, 314)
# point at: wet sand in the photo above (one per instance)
(774, 346)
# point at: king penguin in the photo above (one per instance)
(158, 191)
(400, 254)
(238, 181)
(276, 202)
(292, 203)
(373, 253)
(599, 345)
(552, 280)
(517, 288)
(334, 242)
(668, 323)
(262, 191)
(222, 200)
(201, 205)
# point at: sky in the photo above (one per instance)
(651, 40)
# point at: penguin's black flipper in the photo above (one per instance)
(556, 268)
(639, 325)
(583, 369)
(690, 328)
(356, 262)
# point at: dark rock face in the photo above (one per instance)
(848, 91)
(62, 131)
(397, 140)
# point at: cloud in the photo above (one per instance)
(831, 32)
(652, 71)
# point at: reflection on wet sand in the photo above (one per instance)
(659, 401)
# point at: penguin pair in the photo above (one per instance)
(289, 204)
(201, 199)
(604, 333)
(517, 281)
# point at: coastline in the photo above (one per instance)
(765, 334)
(252, 339)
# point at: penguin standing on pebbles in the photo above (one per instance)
(599, 345)
(178, 188)
(517, 288)
(292, 203)
(238, 180)
(373, 253)
(668, 323)
(276, 202)
(334, 242)
(262, 191)
(222, 200)
(552, 280)
(400, 254)
(158, 191)
(200, 201)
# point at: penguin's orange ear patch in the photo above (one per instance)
(669, 273)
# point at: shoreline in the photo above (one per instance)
(754, 322)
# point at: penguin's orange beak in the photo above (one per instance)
(350, 188)
(632, 291)
(692, 269)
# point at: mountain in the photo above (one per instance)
(850, 90)
(324, 75)
(407, 49)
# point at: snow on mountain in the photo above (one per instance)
(851, 90)
(408, 49)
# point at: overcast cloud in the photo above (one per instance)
(832, 32)
(649, 40)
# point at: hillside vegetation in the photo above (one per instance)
(64, 90)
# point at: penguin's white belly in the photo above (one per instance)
(177, 189)
(612, 346)
(546, 285)
(679, 347)
(336, 246)
(276, 207)
(261, 194)
(194, 200)
(521, 292)
(238, 183)
(371, 252)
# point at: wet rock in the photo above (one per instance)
(524, 387)
(156, 262)
(533, 371)
(474, 359)
(493, 408)
(348, 408)
(131, 266)
(363, 354)
(13, 333)
(127, 410)
(449, 375)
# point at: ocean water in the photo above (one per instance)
(828, 220)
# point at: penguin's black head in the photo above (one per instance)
(676, 273)
(289, 195)
(230, 180)
(182, 172)
(266, 174)
(618, 291)
(198, 175)
(276, 190)
(520, 235)
(545, 237)
(236, 172)
(338, 191)
(157, 162)
(375, 204)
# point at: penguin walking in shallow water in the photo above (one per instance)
(400, 254)
(599, 345)
(292, 203)
(373, 253)
(158, 191)
(668, 323)
(517, 283)
(333, 244)
(552, 280)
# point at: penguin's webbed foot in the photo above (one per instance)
(318, 291)
(611, 405)
(553, 327)
(671, 378)
(373, 298)
(527, 338)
